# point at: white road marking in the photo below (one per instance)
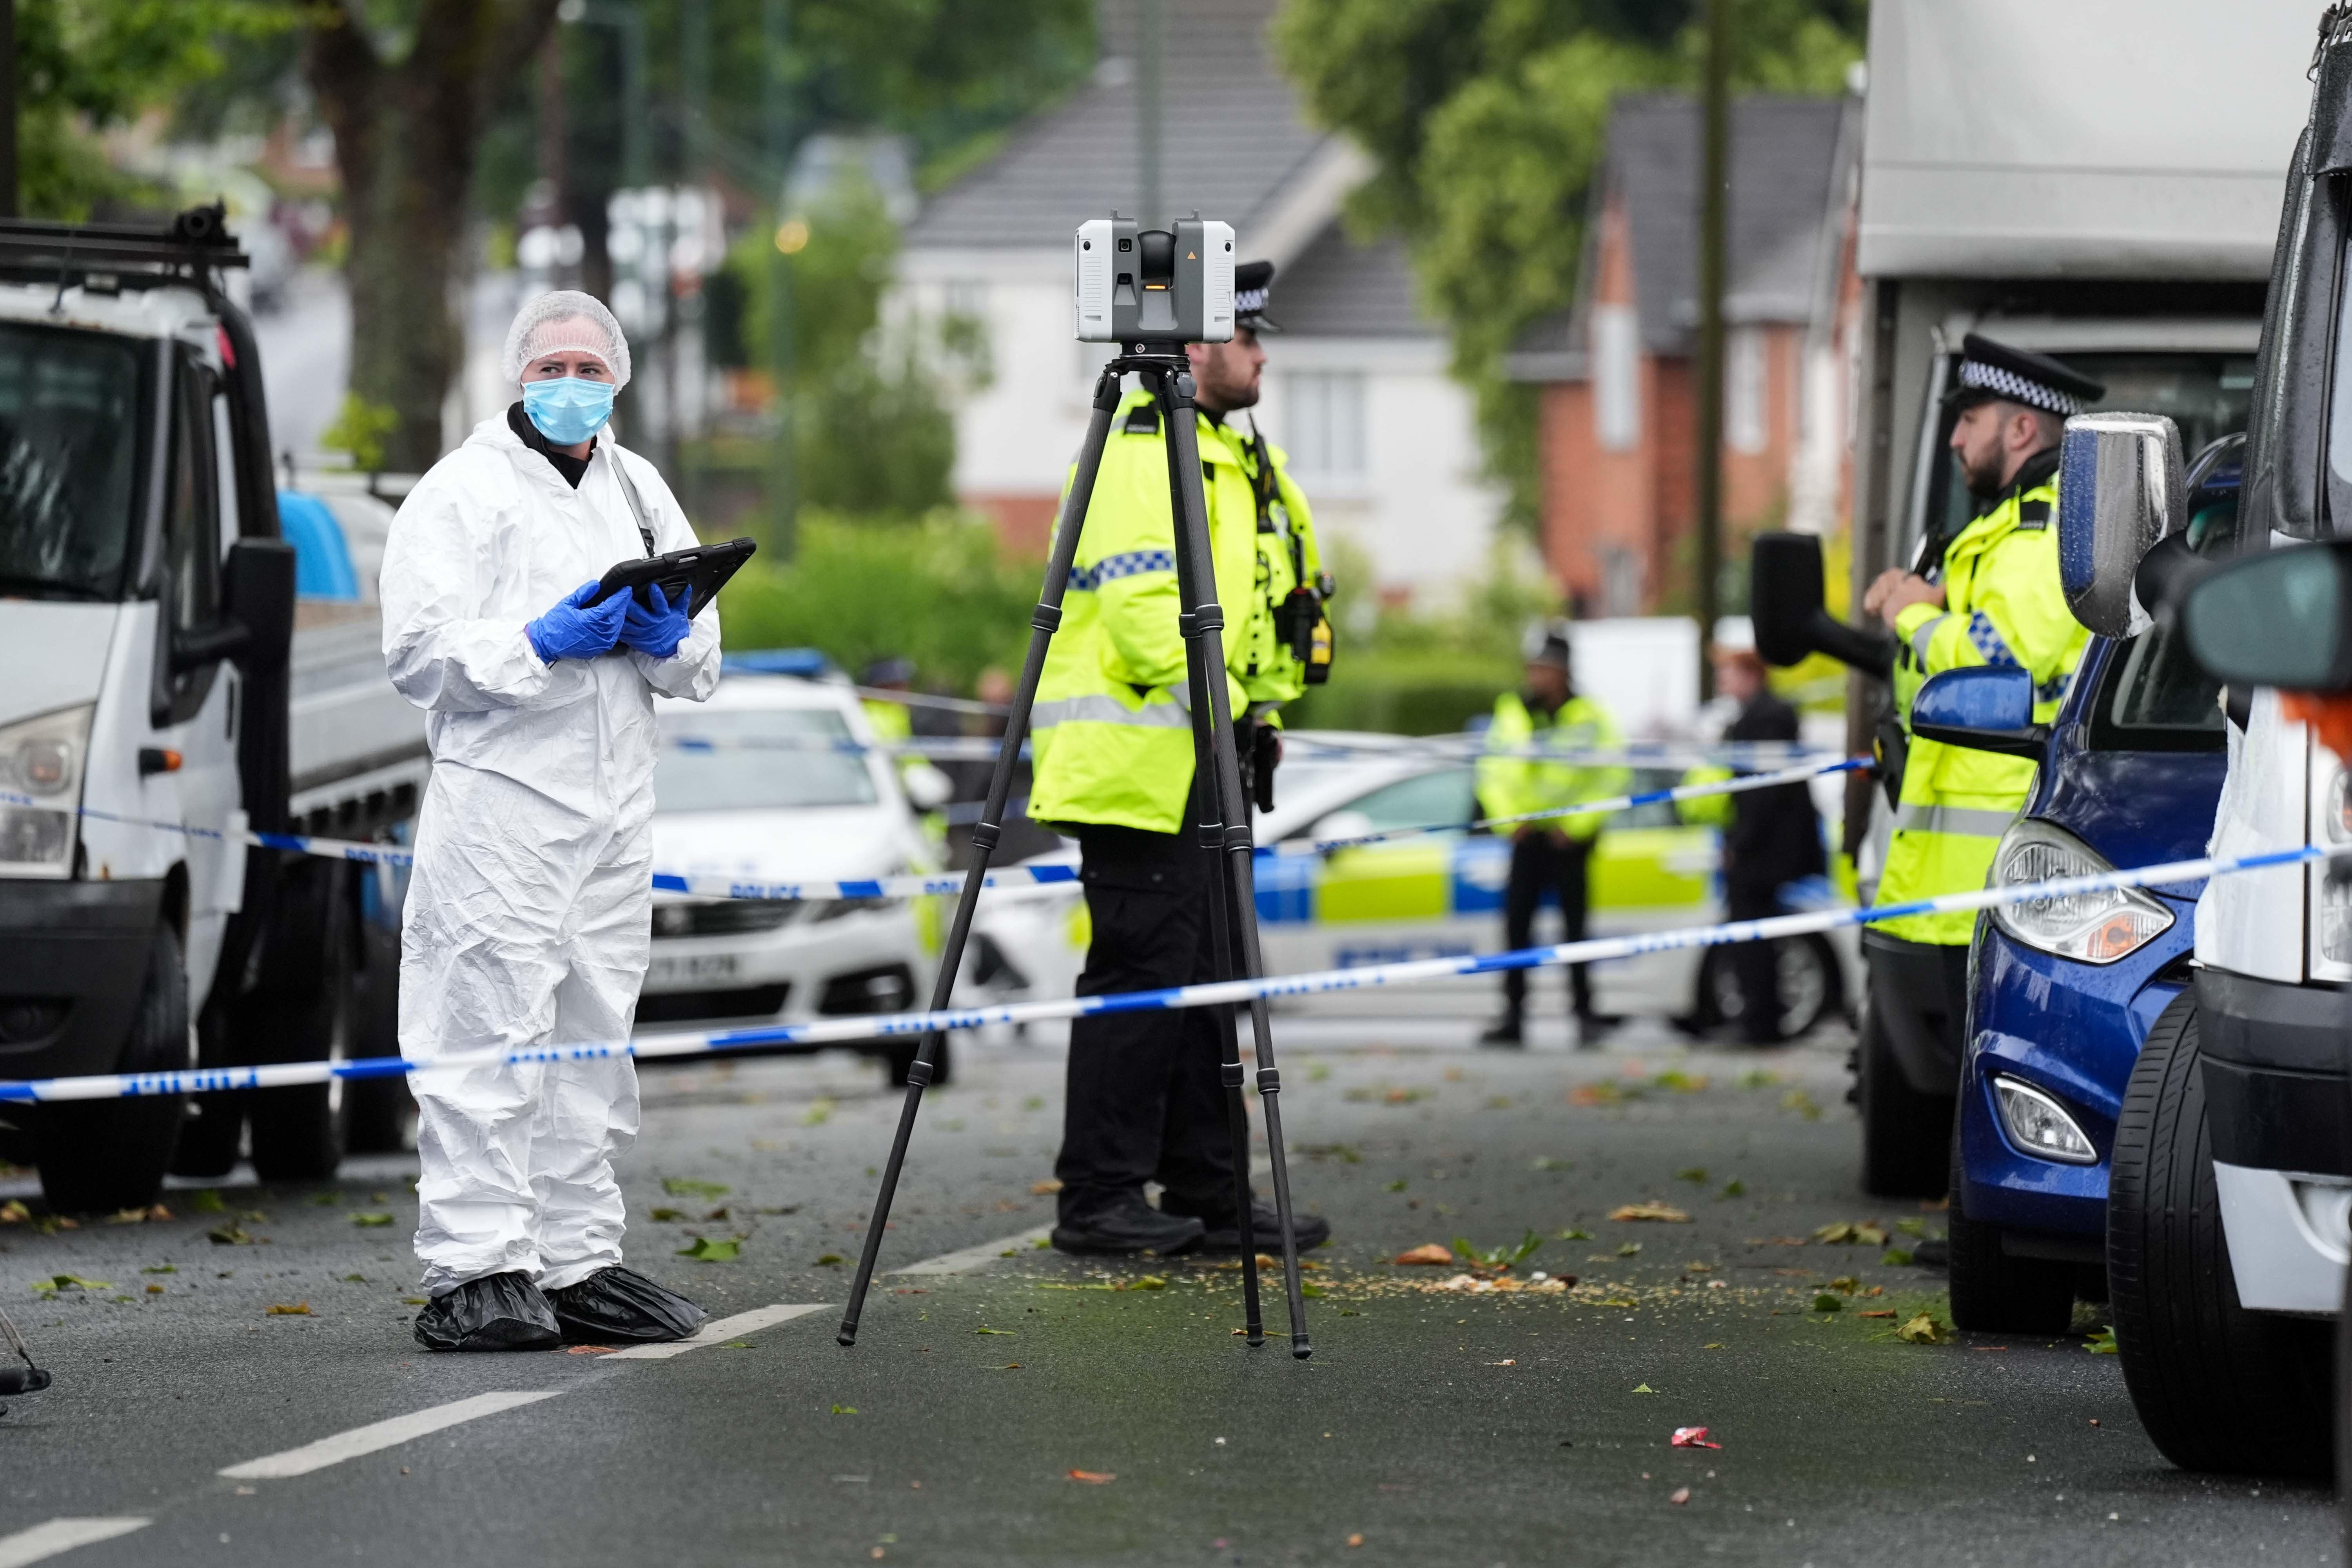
(972, 1257)
(367, 1439)
(46, 1540)
(715, 1333)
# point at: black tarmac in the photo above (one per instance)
(1019, 1407)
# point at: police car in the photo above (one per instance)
(772, 777)
(1441, 894)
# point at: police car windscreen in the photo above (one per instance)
(70, 428)
(759, 760)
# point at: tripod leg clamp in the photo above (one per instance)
(1269, 1081)
(1046, 617)
(1209, 617)
(1229, 1074)
(919, 1073)
(984, 835)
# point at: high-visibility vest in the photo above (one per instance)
(1271, 673)
(1510, 785)
(2003, 606)
(1112, 726)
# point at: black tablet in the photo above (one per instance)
(703, 570)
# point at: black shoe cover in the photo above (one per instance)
(496, 1312)
(1125, 1227)
(620, 1306)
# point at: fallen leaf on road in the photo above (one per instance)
(1094, 1478)
(1735, 1188)
(686, 1188)
(1681, 1082)
(1629, 1248)
(1825, 1302)
(138, 1215)
(204, 1200)
(705, 1250)
(230, 1235)
(1006, 1333)
(1435, 1254)
(1924, 1330)
(1154, 1282)
(13, 1211)
(1512, 1362)
(57, 1282)
(588, 1350)
(371, 1221)
(1664, 1213)
(1697, 1174)
(1040, 1189)
(1010, 1366)
(1798, 1101)
(1596, 1094)
(2103, 1342)
(1691, 1437)
(845, 1410)
(1310, 1287)
(1887, 1313)
(1849, 1233)
(1643, 1388)
(1845, 1284)
(413, 1301)
(284, 1310)
(161, 1268)
(1679, 1496)
(1895, 1257)
(665, 1216)
(1355, 1541)
(154, 1289)
(1776, 1241)
(830, 1260)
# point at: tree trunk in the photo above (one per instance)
(405, 143)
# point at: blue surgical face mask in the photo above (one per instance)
(569, 411)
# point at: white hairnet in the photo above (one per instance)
(565, 319)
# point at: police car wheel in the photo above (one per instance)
(2218, 1387)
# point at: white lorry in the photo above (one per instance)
(157, 673)
(2097, 181)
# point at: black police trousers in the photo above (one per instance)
(1538, 863)
(1755, 965)
(1143, 1100)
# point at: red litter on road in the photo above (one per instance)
(1692, 1437)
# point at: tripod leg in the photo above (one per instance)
(1205, 650)
(1206, 800)
(984, 835)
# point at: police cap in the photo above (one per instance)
(1253, 284)
(1546, 643)
(1991, 371)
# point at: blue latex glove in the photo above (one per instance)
(655, 632)
(574, 629)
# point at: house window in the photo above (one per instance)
(1324, 421)
(1616, 376)
(1743, 390)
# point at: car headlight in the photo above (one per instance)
(42, 758)
(2089, 927)
(2040, 1125)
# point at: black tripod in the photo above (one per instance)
(1224, 824)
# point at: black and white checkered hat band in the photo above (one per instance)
(1249, 302)
(1982, 377)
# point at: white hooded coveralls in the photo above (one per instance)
(529, 912)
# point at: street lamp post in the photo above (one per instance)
(1714, 199)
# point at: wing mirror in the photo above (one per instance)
(2278, 618)
(255, 626)
(1785, 604)
(2123, 485)
(1988, 708)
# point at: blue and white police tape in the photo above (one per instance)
(737, 885)
(847, 1030)
(1464, 750)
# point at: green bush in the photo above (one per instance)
(940, 593)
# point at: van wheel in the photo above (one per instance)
(300, 1133)
(2218, 1387)
(1994, 1292)
(900, 1055)
(1906, 1136)
(100, 1155)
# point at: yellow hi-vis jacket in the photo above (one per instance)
(1112, 728)
(2003, 606)
(1510, 785)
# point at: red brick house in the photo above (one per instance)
(1618, 409)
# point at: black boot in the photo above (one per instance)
(620, 1306)
(1504, 1031)
(1124, 1225)
(1266, 1227)
(496, 1312)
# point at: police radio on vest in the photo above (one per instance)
(1152, 285)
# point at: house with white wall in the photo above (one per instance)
(1382, 439)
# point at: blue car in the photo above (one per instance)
(2063, 993)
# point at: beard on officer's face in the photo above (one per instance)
(1227, 375)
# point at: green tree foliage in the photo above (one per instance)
(1485, 119)
(86, 65)
(941, 593)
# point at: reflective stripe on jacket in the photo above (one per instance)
(1510, 787)
(2003, 606)
(1112, 728)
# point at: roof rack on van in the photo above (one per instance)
(136, 254)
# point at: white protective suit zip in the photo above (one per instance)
(529, 912)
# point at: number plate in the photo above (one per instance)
(688, 971)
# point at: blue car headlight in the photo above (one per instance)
(2089, 927)
(2039, 1124)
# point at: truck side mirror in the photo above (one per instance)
(2279, 618)
(1785, 604)
(1986, 708)
(2123, 484)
